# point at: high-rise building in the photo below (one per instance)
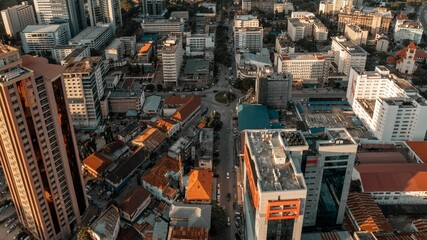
(38, 150)
(105, 11)
(390, 107)
(375, 20)
(248, 35)
(153, 8)
(273, 89)
(356, 34)
(96, 38)
(16, 18)
(172, 59)
(348, 54)
(296, 29)
(406, 29)
(85, 85)
(327, 171)
(273, 185)
(43, 38)
(60, 11)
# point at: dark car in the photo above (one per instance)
(228, 196)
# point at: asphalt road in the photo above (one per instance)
(422, 15)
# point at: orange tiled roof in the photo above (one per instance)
(144, 48)
(150, 139)
(170, 192)
(199, 185)
(367, 214)
(97, 162)
(187, 109)
(401, 54)
(165, 124)
(420, 148)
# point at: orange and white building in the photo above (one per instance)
(274, 187)
(408, 59)
(199, 189)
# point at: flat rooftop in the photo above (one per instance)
(196, 66)
(41, 28)
(350, 46)
(90, 33)
(339, 134)
(304, 57)
(274, 168)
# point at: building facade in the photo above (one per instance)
(273, 185)
(356, 34)
(105, 11)
(273, 89)
(96, 38)
(42, 38)
(390, 107)
(376, 20)
(405, 29)
(84, 85)
(153, 8)
(172, 58)
(248, 35)
(347, 55)
(197, 44)
(164, 26)
(38, 148)
(17, 18)
(62, 11)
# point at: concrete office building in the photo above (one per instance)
(326, 7)
(105, 11)
(296, 29)
(320, 32)
(18, 17)
(283, 7)
(347, 55)
(328, 170)
(60, 52)
(243, 21)
(172, 55)
(356, 34)
(390, 107)
(248, 35)
(115, 51)
(164, 26)
(42, 38)
(84, 85)
(96, 38)
(284, 45)
(408, 30)
(273, 185)
(375, 20)
(38, 149)
(306, 67)
(273, 89)
(62, 11)
(153, 8)
(197, 44)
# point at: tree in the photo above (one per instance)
(412, 16)
(159, 87)
(83, 234)
(150, 87)
(218, 220)
(406, 42)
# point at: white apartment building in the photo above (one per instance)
(274, 189)
(306, 67)
(172, 55)
(248, 64)
(296, 29)
(18, 17)
(105, 11)
(284, 45)
(84, 85)
(326, 7)
(96, 38)
(356, 34)
(273, 89)
(115, 51)
(130, 44)
(390, 107)
(320, 32)
(283, 7)
(62, 52)
(164, 26)
(248, 35)
(153, 8)
(347, 55)
(243, 21)
(57, 12)
(405, 29)
(197, 44)
(40, 38)
(382, 43)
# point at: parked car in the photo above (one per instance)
(228, 196)
(12, 228)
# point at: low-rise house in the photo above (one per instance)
(205, 148)
(151, 139)
(158, 179)
(190, 215)
(107, 226)
(134, 203)
(181, 148)
(129, 132)
(181, 108)
(152, 105)
(199, 189)
(167, 125)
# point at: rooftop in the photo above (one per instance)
(48, 28)
(181, 142)
(134, 200)
(303, 57)
(275, 170)
(41, 67)
(171, 43)
(183, 232)
(419, 148)
(295, 22)
(104, 226)
(117, 94)
(144, 48)
(253, 116)
(186, 110)
(97, 162)
(150, 139)
(393, 177)
(349, 46)
(196, 66)
(86, 65)
(152, 103)
(366, 214)
(90, 33)
(158, 175)
(206, 140)
(411, 24)
(114, 44)
(199, 185)
(190, 215)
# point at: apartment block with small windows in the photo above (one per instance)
(273, 185)
(172, 55)
(376, 20)
(248, 35)
(38, 149)
(16, 18)
(390, 107)
(405, 29)
(84, 85)
(43, 38)
(347, 55)
(356, 34)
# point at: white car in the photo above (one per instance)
(228, 175)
